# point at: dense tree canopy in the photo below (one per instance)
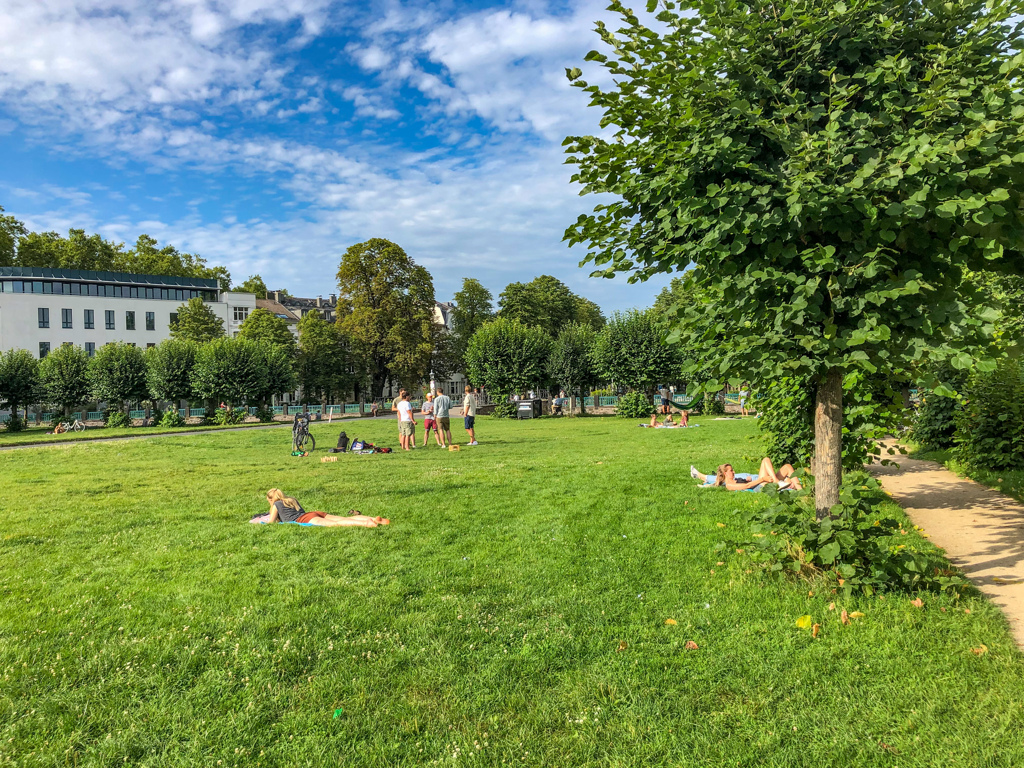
(263, 325)
(386, 308)
(571, 364)
(196, 323)
(473, 307)
(632, 352)
(64, 374)
(254, 284)
(19, 379)
(51, 250)
(117, 375)
(324, 361)
(832, 168)
(547, 303)
(507, 357)
(169, 368)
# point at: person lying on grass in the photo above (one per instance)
(669, 423)
(785, 477)
(288, 510)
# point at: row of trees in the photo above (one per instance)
(233, 371)
(508, 356)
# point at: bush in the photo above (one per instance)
(861, 550)
(172, 418)
(15, 423)
(634, 405)
(990, 426)
(117, 418)
(603, 393)
(713, 404)
(935, 423)
(226, 416)
(504, 409)
(265, 414)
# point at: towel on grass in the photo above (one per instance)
(264, 519)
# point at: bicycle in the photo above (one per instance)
(69, 426)
(302, 441)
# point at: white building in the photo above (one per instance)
(40, 309)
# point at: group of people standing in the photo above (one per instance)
(436, 410)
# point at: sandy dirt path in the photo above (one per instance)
(981, 530)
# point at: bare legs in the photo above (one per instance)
(767, 473)
(359, 521)
(684, 419)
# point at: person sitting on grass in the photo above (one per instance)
(725, 476)
(287, 510)
(668, 423)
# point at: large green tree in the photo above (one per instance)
(547, 303)
(64, 374)
(169, 368)
(386, 308)
(832, 168)
(11, 230)
(324, 361)
(631, 351)
(19, 383)
(232, 371)
(474, 306)
(117, 375)
(197, 323)
(507, 357)
(571, 361)
(263, 325)
(254, 284)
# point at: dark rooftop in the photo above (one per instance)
(84, 275)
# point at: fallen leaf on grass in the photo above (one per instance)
(831, 606)
(720, 525)
(844, 617)
(856, 615)
(811, 593)
(887, 748)
(672, 622)
(918, 603)
(967, 610)
(804, 622)
(719, 563)
(623, 645)
(981, 650)
(691, 646)
(815, 630)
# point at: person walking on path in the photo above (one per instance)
(429, 422)
(744, 394)
(406, 421)
(469, 414)
(442, 417)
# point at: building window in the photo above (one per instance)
(90, 319)
(110, 319)
(65, 318)
(44, 317)
(90, 348)
(240, 314)
(44, 349)
(151, 321)
(129, 321)
(150, 344)
(174, 318)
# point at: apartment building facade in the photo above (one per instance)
(40, 309)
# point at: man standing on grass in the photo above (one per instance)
(469, 413)
(406, 421)
(666, 396)
(442, 408)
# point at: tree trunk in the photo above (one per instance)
(828, 442)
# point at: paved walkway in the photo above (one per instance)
(981, 530)
(51, 443)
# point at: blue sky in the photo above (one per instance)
(269, 135)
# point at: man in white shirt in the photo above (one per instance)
(469, 414)
(406, 421)
(442, 405)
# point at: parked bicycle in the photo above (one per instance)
(302, 441)
(69, 426)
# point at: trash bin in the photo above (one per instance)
(528, 409)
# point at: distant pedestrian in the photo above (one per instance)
(469, 414)
(744, 394)
(429, 423)
(442, 408)
(666, 396)
(406, 421)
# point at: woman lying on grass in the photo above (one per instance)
(785, 477)
(288, 510)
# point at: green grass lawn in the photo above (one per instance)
(514, 613)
